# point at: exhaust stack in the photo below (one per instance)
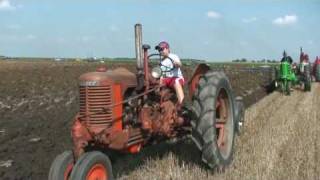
(138, 47)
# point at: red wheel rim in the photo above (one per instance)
(67, 172)
(222, 123)
(97, 172)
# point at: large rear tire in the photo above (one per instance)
(307, 77)
(62, 166)
(288, 88)
(214, 122)
(317, 72)
(92, 165)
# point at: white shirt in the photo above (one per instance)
(168, 68)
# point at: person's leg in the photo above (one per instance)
(179, 91)
(161, 81)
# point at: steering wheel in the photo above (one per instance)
(163, 67)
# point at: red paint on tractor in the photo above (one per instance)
(101, 69)
(80, 136)
(194, 80)
(117, 110)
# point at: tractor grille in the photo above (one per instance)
(93, 100)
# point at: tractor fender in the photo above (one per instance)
(200, 70)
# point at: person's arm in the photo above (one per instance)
(177, 61)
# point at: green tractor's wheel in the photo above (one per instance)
(282, 89)
(285, 87)
(213, 127)
(61, 167)
(92, 166)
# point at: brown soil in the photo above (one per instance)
(39, 99)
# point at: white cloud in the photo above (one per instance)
(286, 20)
(213, 15)
(310, 42)
(249, 20)
(6, 5)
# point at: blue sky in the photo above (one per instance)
(214, 30)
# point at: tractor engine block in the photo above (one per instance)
(160, 118)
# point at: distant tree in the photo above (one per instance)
(243, 60)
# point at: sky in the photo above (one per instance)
(212, 30)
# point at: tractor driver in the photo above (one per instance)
(286, 58)
(170, 66)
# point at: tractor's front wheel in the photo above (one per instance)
(62, 166)
(214, 122)
(282, 86)
(285, 87)
(92, 165)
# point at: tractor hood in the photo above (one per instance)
(120, 76)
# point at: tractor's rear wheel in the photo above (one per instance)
(62, 166)
(214, 121)
(288, 87)
(307, 77)
(317, 72)
(307, 84)
(92, 165)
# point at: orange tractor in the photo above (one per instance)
(125, 111)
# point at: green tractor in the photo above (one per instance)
(289, 75)
(286, 76)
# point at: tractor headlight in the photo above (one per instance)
(156, 72)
